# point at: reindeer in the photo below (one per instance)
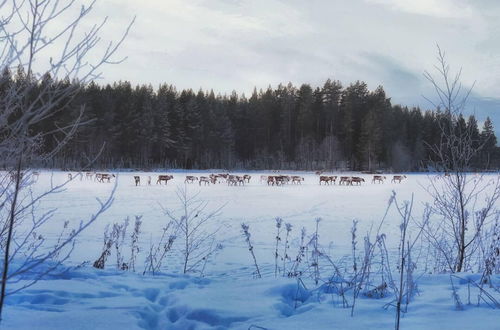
(297, 179)
(13, 174)
(398, 178)
(137, 180)
(281, 180)
(108, 176)
(241, 180)
(232, 180)
(205, 180)
(235, 180)
(271, 180)
(100, 177)
(357, 180)
(442, 176)
(104, 176)
(165, 178)
(378, 178)
(247, 178)
(318, 172)
(345, 180)
(325, 179)
(190, 179)
(221, 177)
(88, 175)
(333, 179)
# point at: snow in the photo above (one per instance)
(228, 296)
(93, 299)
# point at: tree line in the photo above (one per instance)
(288, 127)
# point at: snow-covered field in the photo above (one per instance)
(256, 204)
(228, 296)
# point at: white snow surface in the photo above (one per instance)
(228, 296)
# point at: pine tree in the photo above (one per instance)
(474, 135)
(488, 142)
(371, 139)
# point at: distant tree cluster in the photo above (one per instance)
(332, 127)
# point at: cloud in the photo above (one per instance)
(436, 8)
(393, 74)
(237, 45)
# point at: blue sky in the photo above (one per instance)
(238, 45)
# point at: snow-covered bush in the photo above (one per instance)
(197, 243)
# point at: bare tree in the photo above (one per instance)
(456, 196)
(192, 224)
(54, 55)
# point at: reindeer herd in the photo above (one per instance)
(202, 180)
(240, 180)
(271, 180)
(232, 180)
(356, 180)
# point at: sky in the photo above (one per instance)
(228, 45)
